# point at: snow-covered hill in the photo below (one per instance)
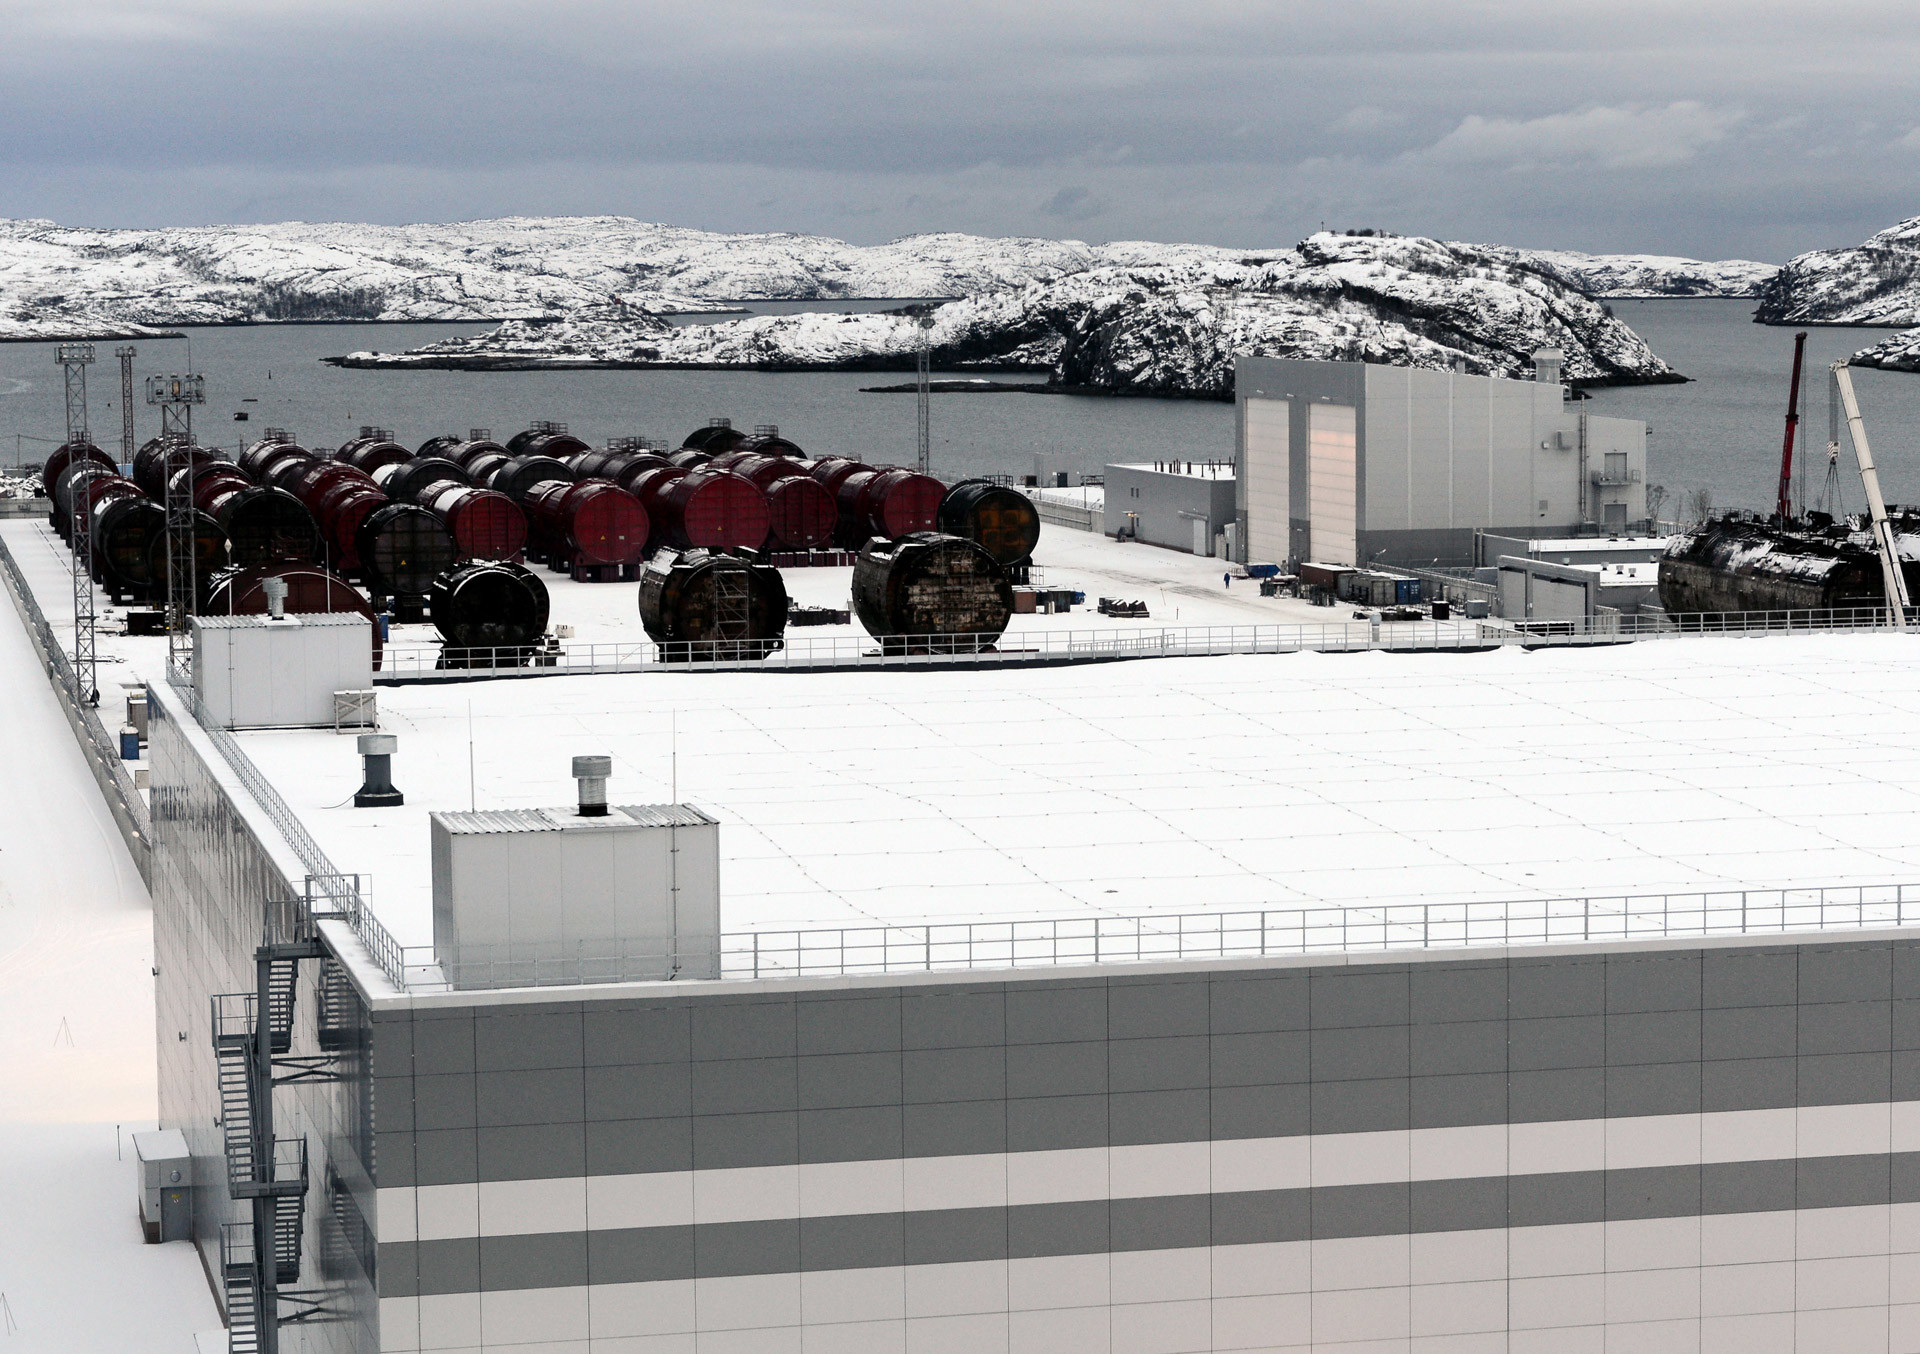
(73, 282)
(1901, 352)
(1144, 328)
(1622, 276)
(1875, 282)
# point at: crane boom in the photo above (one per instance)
(1896, 582)
(1785, 504)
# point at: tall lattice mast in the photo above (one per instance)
(924, 360)
(175, 397)
(126, 403)
(74, 359)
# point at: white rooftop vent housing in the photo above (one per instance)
(533, 896)
(259, 672)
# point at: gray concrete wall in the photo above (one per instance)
(1561, 1150)
(1166, 504)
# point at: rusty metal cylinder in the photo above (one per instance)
(515, 478)
(402, 548)
(801, 514)
(490, 604)
(702, 605)
(369, 454)
(716, 437)
(929, 593)
(122, 531)
(1002, 520)
(414, 481)
(310, 591)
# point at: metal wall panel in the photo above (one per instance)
(1333, 483)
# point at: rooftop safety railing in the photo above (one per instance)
(421, 663)
(1201, 936)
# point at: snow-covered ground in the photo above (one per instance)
(76, 1054)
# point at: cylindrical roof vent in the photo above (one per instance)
(376, 752)
(276, 590)
(592, 773)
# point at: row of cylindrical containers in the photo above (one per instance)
(755, 495)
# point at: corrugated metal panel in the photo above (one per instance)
(255, 622)
(667, 815)
(557, 820)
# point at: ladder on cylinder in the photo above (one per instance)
(731, 600)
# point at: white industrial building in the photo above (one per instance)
(1183, 505)
(1351, 462)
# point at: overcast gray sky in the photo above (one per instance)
(1753, 129)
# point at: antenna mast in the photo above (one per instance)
(923, 362)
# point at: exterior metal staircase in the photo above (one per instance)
(252, 1040)
(239, 1278)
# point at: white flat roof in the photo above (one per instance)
(1198, 470)
(1185, 785)
(1160, 785)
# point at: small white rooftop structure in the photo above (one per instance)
(630, 892)
(275, 672)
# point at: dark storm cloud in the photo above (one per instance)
(1719, 129)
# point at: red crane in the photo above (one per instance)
(1785, 504)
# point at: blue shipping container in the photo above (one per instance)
(1406, 590)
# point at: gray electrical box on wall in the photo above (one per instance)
(622, 894)
(166, 1184)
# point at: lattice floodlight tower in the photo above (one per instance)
(175, 397)
(126, 402)
(74, 359)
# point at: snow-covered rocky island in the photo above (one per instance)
(1876, 282)
(99, 283)
(1153, 326)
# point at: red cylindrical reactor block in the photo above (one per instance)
(215, 481)
(650, 487)
(832, 471)
(370, 456)
(801, 514)
(587, 521)
(484, 525)
(716, 510)
(339, 509)
(899, 502)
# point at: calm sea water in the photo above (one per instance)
(1719, 432)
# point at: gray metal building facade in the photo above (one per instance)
(1705, 1145)
(1169, 507)
(1350, 462)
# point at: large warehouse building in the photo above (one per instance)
(1052, 1011)
(1209, 1133)
(1352, 462)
